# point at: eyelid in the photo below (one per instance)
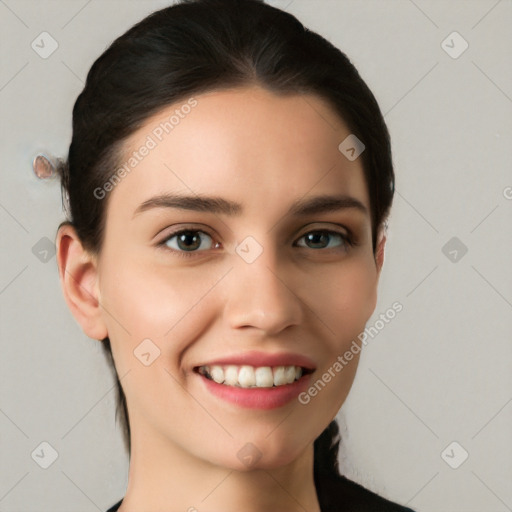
(171, 231)
(326, 226)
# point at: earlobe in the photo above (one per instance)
(78, 277)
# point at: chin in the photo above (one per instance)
(268, 455)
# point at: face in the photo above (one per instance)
(268, 263)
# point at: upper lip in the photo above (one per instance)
(258, 359)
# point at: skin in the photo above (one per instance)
(264, 151)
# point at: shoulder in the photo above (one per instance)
(336, 492)
(115, 507)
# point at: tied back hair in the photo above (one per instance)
(197, 46)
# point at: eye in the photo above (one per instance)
(188, 241)
(322, 238)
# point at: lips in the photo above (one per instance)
(272, 395)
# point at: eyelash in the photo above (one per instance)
(346, 238)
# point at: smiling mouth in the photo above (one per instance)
(245, 376)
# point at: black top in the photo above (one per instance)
(339, 494)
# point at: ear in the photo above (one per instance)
(379, 254)
(78, 277)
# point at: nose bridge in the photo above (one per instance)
(259, 295)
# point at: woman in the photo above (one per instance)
(228, 182)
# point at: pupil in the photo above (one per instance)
(183, 238)
(314, 238)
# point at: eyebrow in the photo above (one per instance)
(218, 205)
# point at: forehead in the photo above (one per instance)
(246, 144)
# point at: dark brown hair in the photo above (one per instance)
(197, 46)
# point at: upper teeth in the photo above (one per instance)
(250, 376)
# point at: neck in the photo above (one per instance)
(165, 478)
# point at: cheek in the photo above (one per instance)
(347, 297)
(148, 302)
(145, 301)
(345, 302)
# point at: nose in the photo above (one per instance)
(261, 295)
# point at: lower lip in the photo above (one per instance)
(257, 398)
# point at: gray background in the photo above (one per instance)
(437, 373)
